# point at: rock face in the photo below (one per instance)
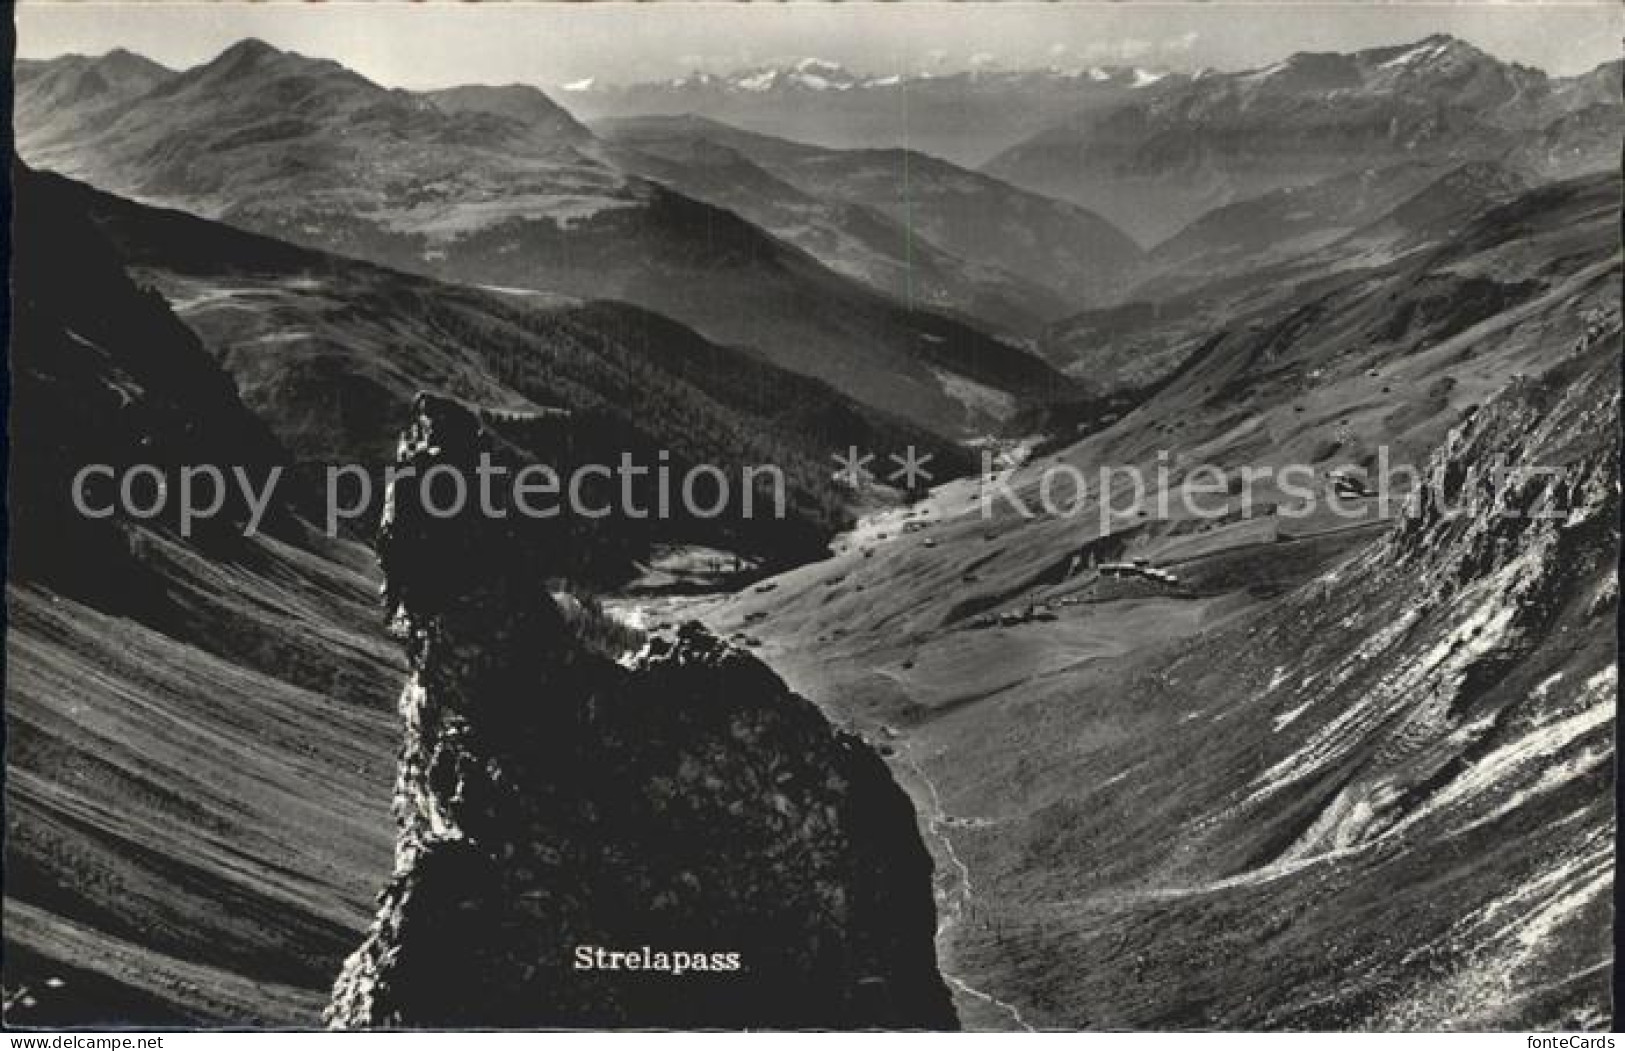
(552, 802)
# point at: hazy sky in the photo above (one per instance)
(440, 43)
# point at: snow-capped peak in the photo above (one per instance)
(821, 66)
(821, 75)
(757, 81)
(1144, 78)
(584, 84)
(814, 74)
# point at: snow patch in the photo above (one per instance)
(1420, 53)
(758, 81)
(1287, 718)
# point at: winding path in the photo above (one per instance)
(957, 899)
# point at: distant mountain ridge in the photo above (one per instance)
(1154, 163)
(1357, 218)
(60, 96)
(964, 117)
(955, 238)
(817, 74)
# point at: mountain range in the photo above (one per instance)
(1292, 763)
(1150, 150)
(925, 230)
(499, 187)
(502, 186)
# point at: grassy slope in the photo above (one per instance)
(195, 830)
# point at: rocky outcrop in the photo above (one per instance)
(676, 841)
(1522, 477)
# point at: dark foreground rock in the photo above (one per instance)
(552, 803)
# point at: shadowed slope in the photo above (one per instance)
(196, 728)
